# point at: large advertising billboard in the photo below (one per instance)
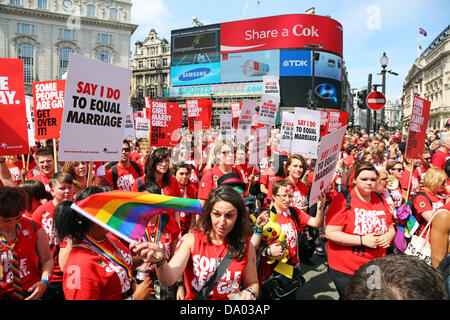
(249, 66)
(295, 63)
(284, 31)
(193, 74)
(196, 45)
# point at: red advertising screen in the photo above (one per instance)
(284, 31)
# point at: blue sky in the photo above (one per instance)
(369, 27)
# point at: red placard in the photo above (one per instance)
(236, 113)
(417, 128)
(13, 116)
(284, 31)
(199, 110)
(332, 120)
(165, 120)
(48, 104)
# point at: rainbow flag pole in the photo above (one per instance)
(127, 213)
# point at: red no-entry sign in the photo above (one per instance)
(376, 100)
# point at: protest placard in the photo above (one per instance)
(268, 109)
(417, 128)
(48, 104)
(236, 113)
(287, 131)
(30, 120)
(165, 120)
(328, 156)
(142, 128)
(245, 121)
(13, 117)
(306, 132)
(272, 85)
(129, 133)
(258, 148)
(199, 110)
(226, 126)
(95, 105)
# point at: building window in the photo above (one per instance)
(152, 63)
(26, 53)
(67, 34)
(104, 38)
(64, 60)
(141, 64)
(90, 10)
(152, 92)
(42, 4)
(25, 28)
(104, 56)
(153, 51)
(113, 14)
(164, 62)
(14, 2)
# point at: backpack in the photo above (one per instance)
(406, 210)
(115, 174)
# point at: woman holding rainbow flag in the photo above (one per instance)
(224, 236)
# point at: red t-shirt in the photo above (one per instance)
(26, 254)
(43, 215)
(16, 171)
(414, 181)
(125, 177)
(422, 204)
(191, 192)
(203, 263)
(209, 181)
(363, 218)
(292, 230)
(91, 276)
(42, 178)
(439, 159)
(172, 189)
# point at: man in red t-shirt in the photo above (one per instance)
(61, 188)
(127, 171)
(441, 155)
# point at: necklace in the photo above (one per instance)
(219, 255)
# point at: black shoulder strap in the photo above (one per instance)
(165, 221)
(136, 167)
(294, 214)
(348, 198)
(212, 282)
(114, 175)
(379, 196)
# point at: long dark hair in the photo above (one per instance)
(69, 223)
(36, 190)
(241, 230)
(150, 166)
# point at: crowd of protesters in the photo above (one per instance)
(257, 218)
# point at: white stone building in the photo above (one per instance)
(44, 32)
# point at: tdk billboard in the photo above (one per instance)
(295, 63)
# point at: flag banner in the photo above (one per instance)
(95, 107)
(287, 131)
(422, 31)
(13, 116)
(328, 156)
(306, 133)
(48, 98)
(165, 120)
(417, 128)
(127, 213)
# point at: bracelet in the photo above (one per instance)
(179, 283)
(251, 291)
(258, 230)
(46, 282)
(360, 239)
(162, 262)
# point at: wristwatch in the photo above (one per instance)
(251, 291)
(179, 283)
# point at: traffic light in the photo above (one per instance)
(361, 102)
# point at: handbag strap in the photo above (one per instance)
(212, 282)
(428, 226)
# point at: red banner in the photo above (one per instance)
(199, 110)
(13, 116)
(236, 113)
(165, 120)
(284, 31)
(417, 128)
(331, 121)
(48, 104)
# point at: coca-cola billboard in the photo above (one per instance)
(280, 32)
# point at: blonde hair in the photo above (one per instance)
(434, 179)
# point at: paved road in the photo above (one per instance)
(318, 284)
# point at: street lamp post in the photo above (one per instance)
(384, 60)
(313, 62)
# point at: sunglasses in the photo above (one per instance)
(399, 169)
(126, 149)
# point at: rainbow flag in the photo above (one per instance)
(126, 213)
